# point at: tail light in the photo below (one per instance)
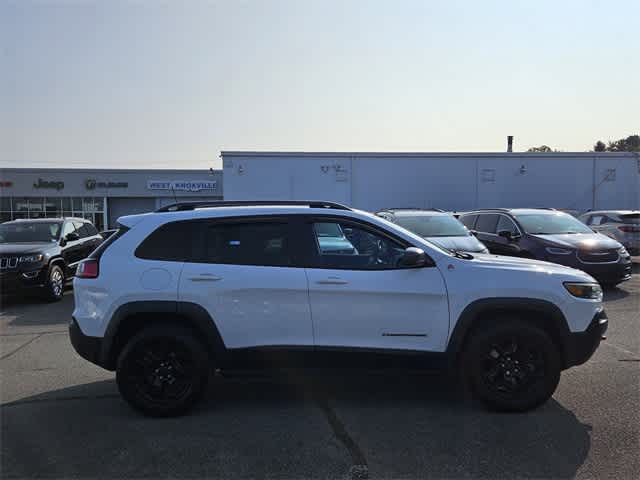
(628, 229)
(88, 268)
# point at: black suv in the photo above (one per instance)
(551, 235)
(43, 253)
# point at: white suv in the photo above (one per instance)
(233, 286)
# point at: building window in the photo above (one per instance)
(91, 208)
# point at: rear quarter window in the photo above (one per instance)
(171, 242)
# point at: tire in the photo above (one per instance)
(54, 289)
(163, 371)
(511, 379)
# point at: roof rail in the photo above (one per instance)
(488, 210)
(411, 208)
(184, 206)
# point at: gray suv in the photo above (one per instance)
(621, 225)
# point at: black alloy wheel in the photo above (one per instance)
(162, 371)
(511, 365)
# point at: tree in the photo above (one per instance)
(541, 148)
(629, 144)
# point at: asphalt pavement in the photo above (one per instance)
(62, 417)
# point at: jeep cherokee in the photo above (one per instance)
(231, 286)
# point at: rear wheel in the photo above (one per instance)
(54, 289)
(162, 371)
(512, 366)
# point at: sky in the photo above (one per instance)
(171, 84)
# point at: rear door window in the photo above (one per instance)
(251, 243)
(487, 222)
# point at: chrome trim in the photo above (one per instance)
(8, 262)
(598, 263)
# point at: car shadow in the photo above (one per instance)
(33, 310)
(614, 293)
(292, 426)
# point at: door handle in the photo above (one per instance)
(205, 277)
(332, 281)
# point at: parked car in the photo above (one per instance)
(621, 225)
(232, 287)
(43, 253)
(331, 239)
(554, 236)
(437, 226)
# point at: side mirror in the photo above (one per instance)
(72, 237)
(413, 257)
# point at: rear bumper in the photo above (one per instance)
(89, 348)
(580, 346)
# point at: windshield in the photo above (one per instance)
(433, 225)
(551, 224)
(37, 232)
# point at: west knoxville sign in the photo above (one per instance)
(182, 185)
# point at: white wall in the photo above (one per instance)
(450, 181)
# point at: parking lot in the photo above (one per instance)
(63, 417)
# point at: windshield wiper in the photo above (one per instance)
(461, 254)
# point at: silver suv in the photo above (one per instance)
(621, 225)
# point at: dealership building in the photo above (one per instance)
(100, 195)
(449, 181)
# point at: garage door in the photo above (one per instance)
(117, 207)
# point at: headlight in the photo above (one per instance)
(592, 291)
(32, 258)
(623, 251)
(558, 251)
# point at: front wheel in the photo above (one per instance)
(162, 371)
(511, 366)
(54, 289)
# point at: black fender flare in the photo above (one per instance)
(549, 316)
(197, 318)
(58, 261)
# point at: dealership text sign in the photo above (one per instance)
(182, 185)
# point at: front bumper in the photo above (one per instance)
(15, 281)
(605, 273)
(580, 346)
(89, 348)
